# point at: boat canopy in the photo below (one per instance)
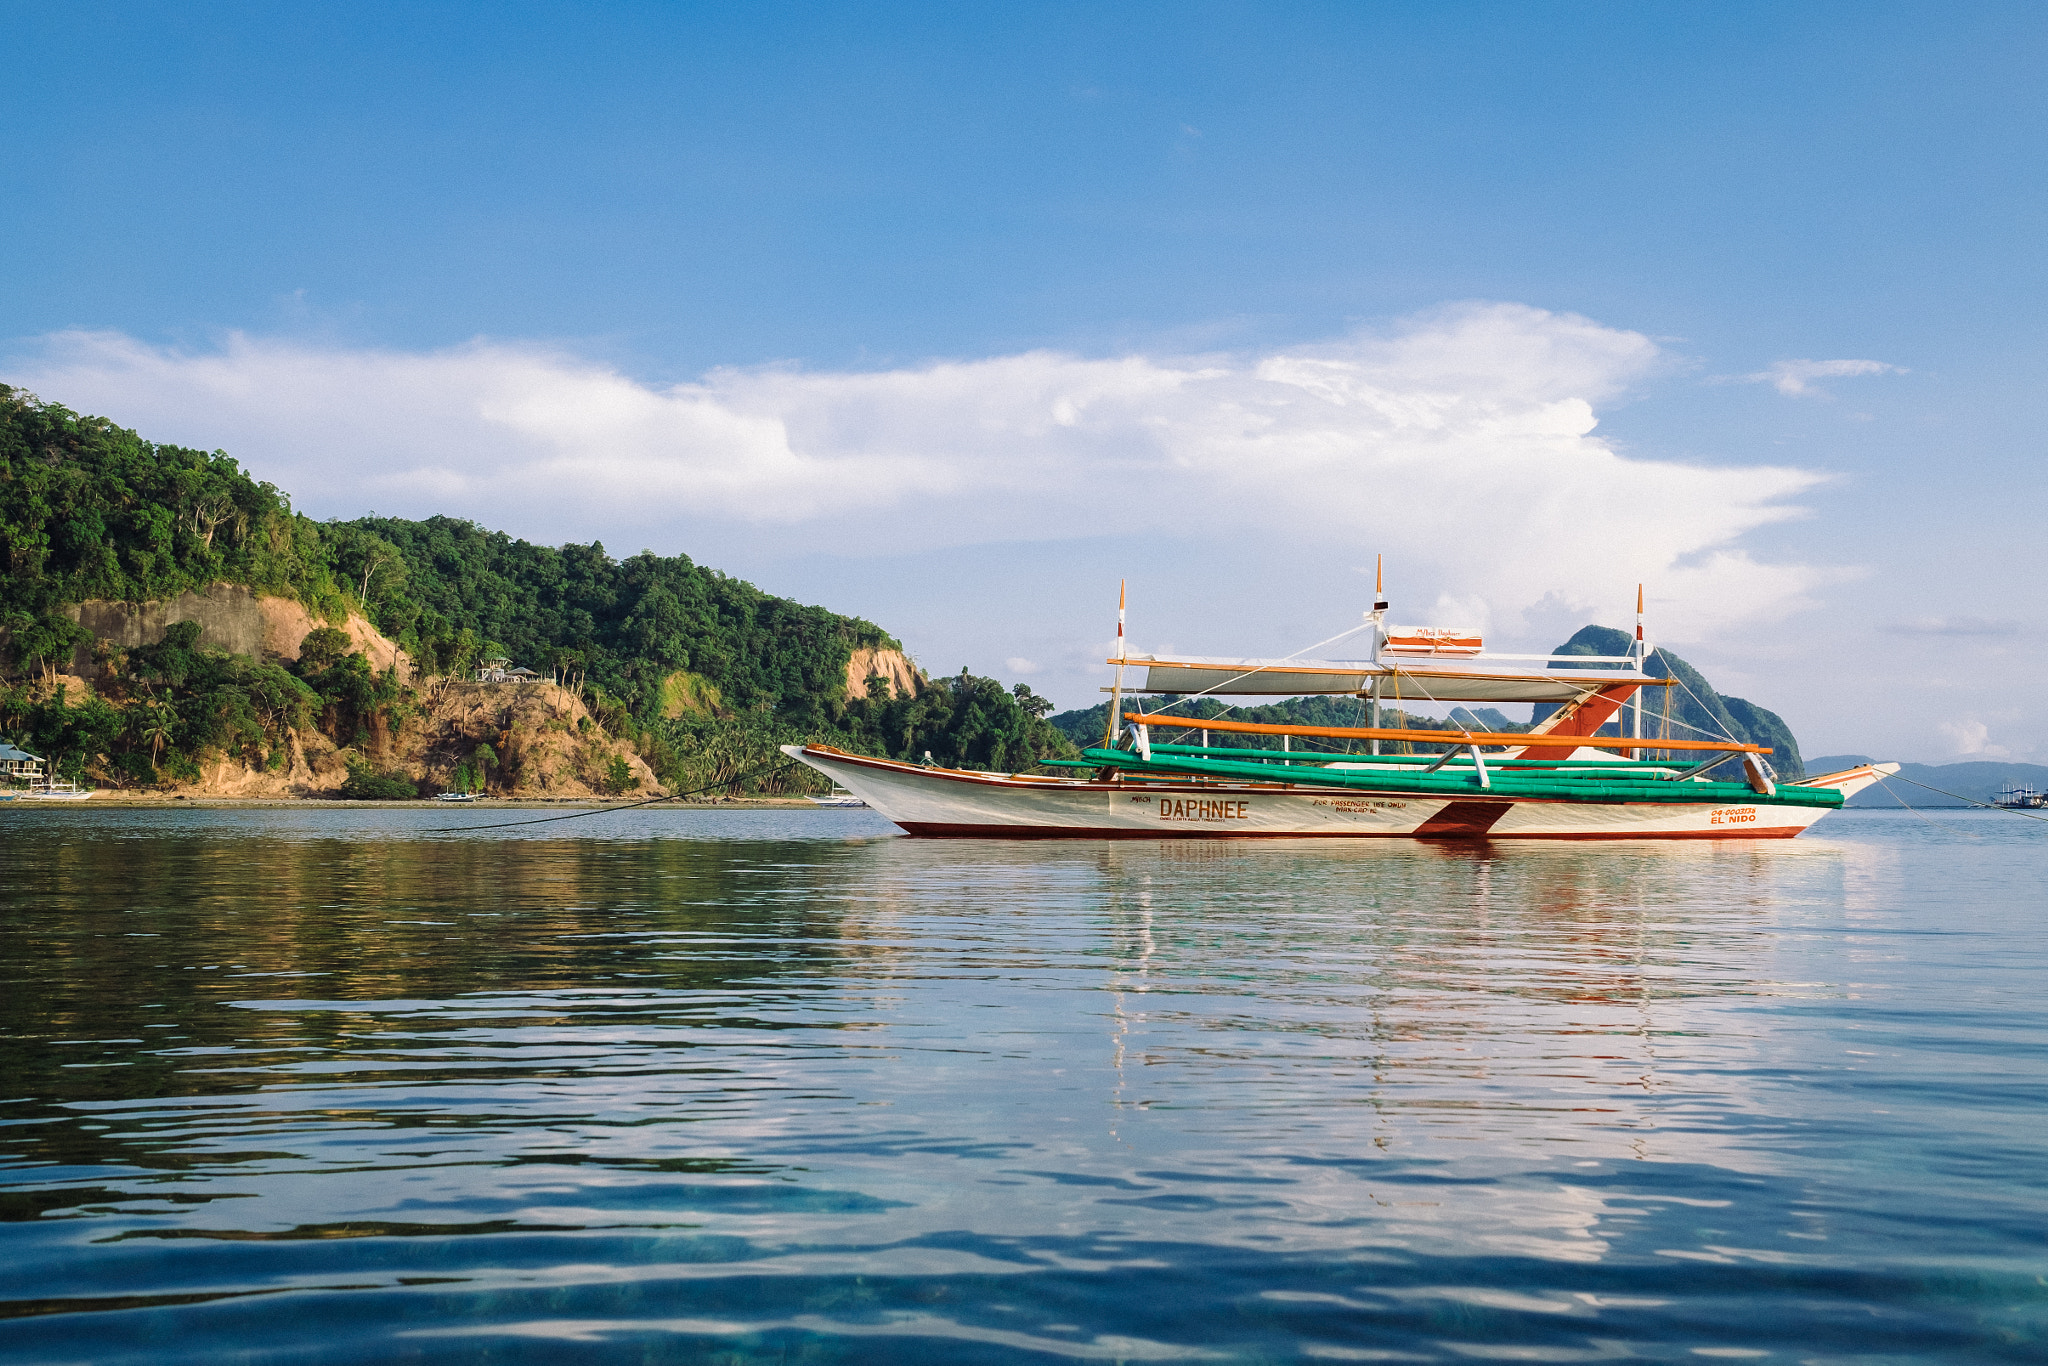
(1470, 678)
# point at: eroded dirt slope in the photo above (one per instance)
(545, 741)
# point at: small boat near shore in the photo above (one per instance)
(29, 779)
(839, 797)
(1562, 779)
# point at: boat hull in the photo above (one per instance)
(956, 803)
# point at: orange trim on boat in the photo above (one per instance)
(1437, 737)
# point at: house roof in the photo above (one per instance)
(9, 754)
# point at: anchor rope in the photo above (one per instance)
(1939, 825)
(629, 806)
(1971, 801)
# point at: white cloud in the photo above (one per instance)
(1018, 665)
(1460, 442)
(1794, 378)
(1972, 739)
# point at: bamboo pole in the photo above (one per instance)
(1433, 737)
(1116, 697)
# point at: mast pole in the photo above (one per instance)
(1642, 666)
(1379, 633)
(1116, 695)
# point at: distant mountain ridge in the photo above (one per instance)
(1978, 779)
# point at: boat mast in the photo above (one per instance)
(1116, 694)
(1379, 634)
(1642, 666)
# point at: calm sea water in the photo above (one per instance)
(681, 1086)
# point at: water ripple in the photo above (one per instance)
(736, 1087)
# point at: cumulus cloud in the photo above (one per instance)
(1972, 740)
(1461, 442)
(1794, 378)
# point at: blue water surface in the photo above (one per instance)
(695, 1086)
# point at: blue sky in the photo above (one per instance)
(447, 231)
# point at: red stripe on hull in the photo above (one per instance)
(1783, 832)
(938, 830)
(1075, 832)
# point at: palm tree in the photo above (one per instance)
(156, 728)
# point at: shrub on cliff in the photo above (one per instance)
(963, 722)
(365, 783)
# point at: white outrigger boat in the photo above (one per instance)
(1560, 780)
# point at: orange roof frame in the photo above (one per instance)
(1440, 737)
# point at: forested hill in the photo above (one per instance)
(449, 590)
(702, 672)
(90, 510)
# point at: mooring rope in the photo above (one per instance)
(1972, 801)
(629, 806)
(1938, 825)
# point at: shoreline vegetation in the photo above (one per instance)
(151, 599)
(170, 626)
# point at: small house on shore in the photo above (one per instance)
(492, 670)
(19, 766)
(504, 671)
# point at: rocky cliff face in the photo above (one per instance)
(231, 618)
(905, 678)
(545, 740)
